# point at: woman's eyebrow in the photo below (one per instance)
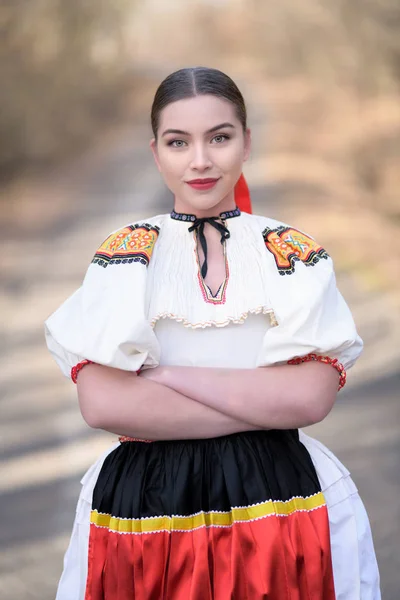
(178, 131)
(221, 126)
(215, 128)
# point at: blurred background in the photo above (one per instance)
(322, 83)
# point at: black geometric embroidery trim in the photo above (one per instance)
(119, 260)
(188, 218)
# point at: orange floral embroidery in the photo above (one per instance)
(290, 246)
(134, 243)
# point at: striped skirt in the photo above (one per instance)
(237, 517)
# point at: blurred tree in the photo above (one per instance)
(65, 65)
(353, 43)
(62, 66)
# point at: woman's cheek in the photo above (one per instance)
(232, 164)
(174, 165)
(172, 178)
(167, 171)
(231, 159)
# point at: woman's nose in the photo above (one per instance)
(200, 159)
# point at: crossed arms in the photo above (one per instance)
(188, 402)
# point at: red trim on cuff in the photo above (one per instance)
(324, 359)
(75, 370)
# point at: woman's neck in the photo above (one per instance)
(226, 205)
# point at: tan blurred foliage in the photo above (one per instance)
(62, 71)
(330, 71)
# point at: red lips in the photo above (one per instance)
(202, 184)
(207, 180)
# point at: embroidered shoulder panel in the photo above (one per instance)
(290, 246)
(133, 243)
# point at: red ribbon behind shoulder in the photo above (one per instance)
(242, 195)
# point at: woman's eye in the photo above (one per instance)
(177, 143)
(218, 139)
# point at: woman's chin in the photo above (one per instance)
(205, 203)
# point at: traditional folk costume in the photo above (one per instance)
(254, 515)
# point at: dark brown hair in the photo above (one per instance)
(196, 81)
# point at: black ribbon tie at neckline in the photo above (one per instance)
(199, 225)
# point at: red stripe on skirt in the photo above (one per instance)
(279, 558)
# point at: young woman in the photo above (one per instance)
(208, 337)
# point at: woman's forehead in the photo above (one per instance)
(200, 113)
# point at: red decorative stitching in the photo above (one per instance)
(220, 298)
(324, 359)
(75, 370)
(126, 438)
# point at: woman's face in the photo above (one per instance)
(200, 151)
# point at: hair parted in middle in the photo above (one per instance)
(197, 81)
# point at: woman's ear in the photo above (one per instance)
(247, 144)
(153, 146)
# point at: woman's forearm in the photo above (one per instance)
(280, 397)
(124, 404)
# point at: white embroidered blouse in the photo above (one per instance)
(144, 302)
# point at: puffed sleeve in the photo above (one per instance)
(313, 319)
(105, 320)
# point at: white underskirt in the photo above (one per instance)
(355, 568)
